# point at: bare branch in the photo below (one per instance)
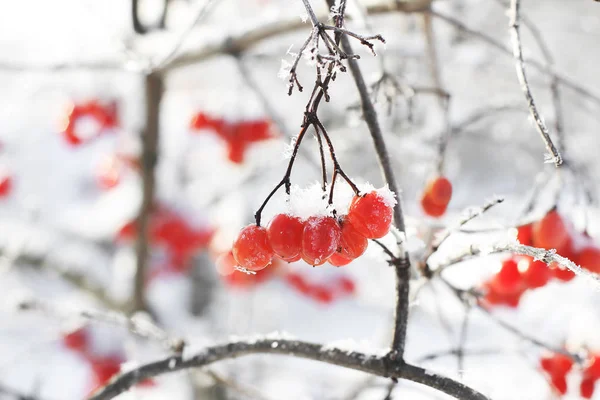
(149, 158)
(380, 366)
(520, 66)
(403, 268)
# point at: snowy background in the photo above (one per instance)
(57, 219)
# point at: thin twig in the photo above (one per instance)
(545, 69)
(470, 215)
(520, 66)
(141, 326)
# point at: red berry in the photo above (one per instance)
(562, 274)
(252, 249)
(321, 294)
(76, 340)
(346, 285)
(320, 239)
(338, 260)
(537, 273)
(586, 388)
(430, 208)
(524, 233)
(285, 236)
(104, 369)
(556, 364)
(292, 259)
(5, 184)
(109, 173)
(439, 191)
(371, 215)
(508, 279)
(592, 370)
(550, 232)
(353, 243)
(589, 258)
(559, 383)
(298, 282)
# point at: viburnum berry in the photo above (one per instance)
(346, 285)
(321, 294)
(586, 387)
(298, 282)
(589, 258)
(251, 249)
(371, 215)
(562, 274)
(439, 191)
(338, 260)
(524, 234)
(550, 232)
(285, 236)
(592, 369)
(430, 208)
(76, 340)
(556, 364)
(320, 239)
(226, 264)
(508, 279)
(559, 383)
(6, 184)
(353, 243)
(536, 273)
(104, 368)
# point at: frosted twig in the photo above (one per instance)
(141, 326)
(376, 365)
(547, 70)
(547, 256)
(520, 66)
(470, 215)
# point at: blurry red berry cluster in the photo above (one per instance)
(520, 273)
(170, 230)
(317, 239)
(104, 115)
(556, 367)
(325, 293)
(103, 367)
(436, 196)
(238, 136)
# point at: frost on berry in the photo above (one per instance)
(320, 239)
(371, 215)
(252, 249)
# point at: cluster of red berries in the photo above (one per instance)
(318, 239)
(104, 115)
(103, 367)
(170, 230)
(436, 196)
(325, 293)
(336, 289)
(554, 232)
(557, 366)
(238, 136)
(520, 273)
